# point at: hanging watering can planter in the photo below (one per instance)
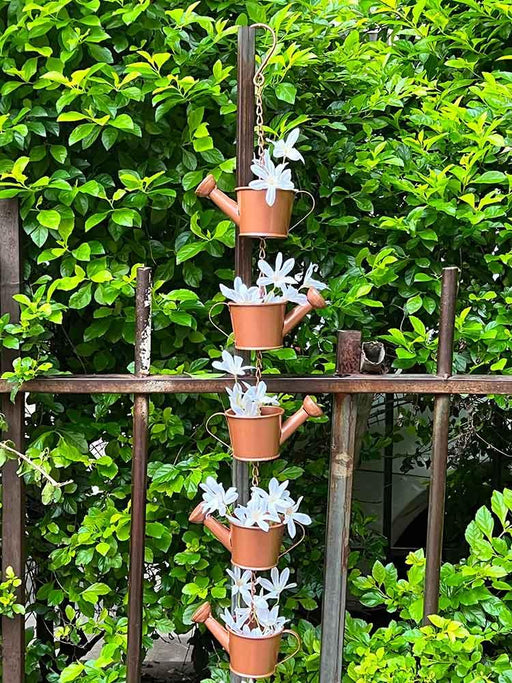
(258, 313)
(251, 212)
(255, 533)
(249, 656)
(255, 419)
(262, 326)
(259, 438)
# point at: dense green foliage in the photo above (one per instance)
(468, 641)
(111, 113)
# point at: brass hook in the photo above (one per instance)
(258, 76)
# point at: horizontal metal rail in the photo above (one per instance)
(482, 385)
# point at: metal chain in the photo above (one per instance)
(255, 474)
(259, 83)
(259, 367)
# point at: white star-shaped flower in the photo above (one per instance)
(285, 149)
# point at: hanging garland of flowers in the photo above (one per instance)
(253, 531)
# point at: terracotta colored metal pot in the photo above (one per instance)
(250, 547)
(253, 216)
(260, 327)
(259, 438)
(248, 657)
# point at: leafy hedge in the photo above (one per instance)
(111, 113)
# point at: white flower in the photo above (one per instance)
(241, 292)
(291, 515)
(294, 296)
(270, 620)
(248, 403)
(258, 394)
(309, 281)
(241, 584)
(235, 623)
(277, 499)
(277, 276)
(215, 498)
(285, 149)
(271, 178)
(277, 584)
(236, 399)
(253, 632)
(233, 365)
(254, 514)
(260, 601)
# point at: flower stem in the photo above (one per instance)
(35, 466)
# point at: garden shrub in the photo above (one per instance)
(110, 114)
(469, 640)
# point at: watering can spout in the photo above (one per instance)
(308, 409)
(221, 532)
(208, 188)
(315, 300)
(204, 616)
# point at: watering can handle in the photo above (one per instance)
(297, 543)
(214, 435)
(299, 644)
(313, 206)
(218, 303)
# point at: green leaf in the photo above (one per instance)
(82, 297)
(286, 92)
(491, 178)
(82, 253)
(81, 132)
(71, 672)
(49, 218)
(190, 250)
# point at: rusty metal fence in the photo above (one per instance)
(344, 386)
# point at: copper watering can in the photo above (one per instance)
(251, 213)
(262, 326)
(248, 657)
(250, 547)
(259, 438)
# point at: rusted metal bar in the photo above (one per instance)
(387, 489)
(440, 429)
(478, 385)
(344, 415)
(139, 478)
(13, 490)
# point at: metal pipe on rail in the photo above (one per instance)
(339, 511)
(139, 478)
(439, 462)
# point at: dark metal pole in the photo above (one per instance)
(440, 429)
(387, 498)
(139, 478)
(13, 490)
(337, 549)
(244, 154)
(246, 113)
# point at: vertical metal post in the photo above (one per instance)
(387, 489)
(139, 478)
(246, 114)
(338, 512)
(13, 490)
(440, 428)
(244, 154)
